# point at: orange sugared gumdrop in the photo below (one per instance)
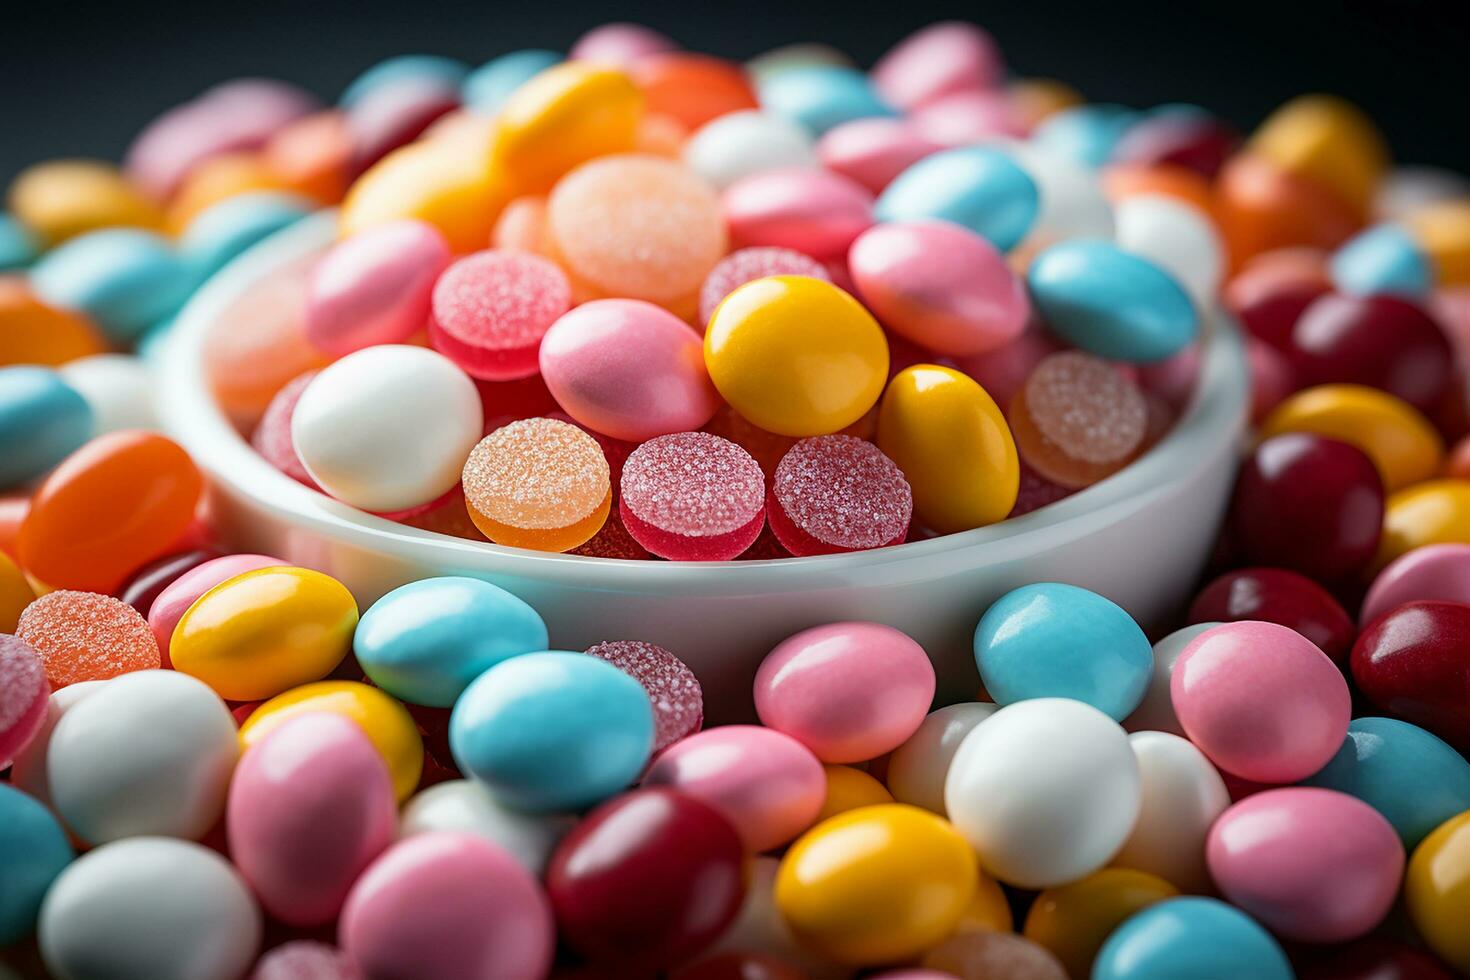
(85, 636)
(1078, 419)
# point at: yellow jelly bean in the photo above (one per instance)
(1400, 441)
(15, 593)
(850, 789)
(952, 442)
(1435, 512)
(876, 885)
(988, 911)
(1437, 891)
(796, 355)
(1443, 232)
(436, 182)
(1326, 140)
(1074, 920)
(387, 723)
(31, 332)
(564, 116)
(65, 198)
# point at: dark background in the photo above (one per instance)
(80, 78)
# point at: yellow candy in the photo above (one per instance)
(387, 723)
(1074, 920)
(850, 789)
(1436, 512)
(15, 593)
(796, 356)
(1400, 441)
(1443, 232)
(437, 182)
(988, 910)
(1328, 141)
(564, 116)
(876, 885)
(65, 198)
(952, 442)
(1437, 891)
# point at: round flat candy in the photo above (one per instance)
(24, 694)
(692, 496)
(491, 310)
(1077, 419)
(832, 494)
(673, 690)
(744, 265)
(83, 636)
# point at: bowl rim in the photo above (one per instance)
(1216, 413)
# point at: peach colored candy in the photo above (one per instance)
(313, 155)
(522, 226)
(86, 636)
(620, 43)
(23, 696)
(628, 369)
(942, 59)
(1077, 419)
(941, 286)
(873, 151)
(815, 212)
(747, 264)
(183, 591)
(492, 309)
(1435, 571)
(660, 135)
(373, 287)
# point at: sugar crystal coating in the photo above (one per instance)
(839, 493)
(674, 691)
(305, 959)
(86, 636)
(693, 484)
(612, 540)
(23, 694)
(491, 309)
(747, 264)
(536, 475)
(272, 437)
(1078, 418)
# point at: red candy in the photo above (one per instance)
(1275, 595)
(747, 264)
(1270, 294)
(1195, 142)
(692, 496)
(1414, 664)
(673, 690)
(838, 493)
(23, 696)
(272, 437)
(491, 309)
(144, 587)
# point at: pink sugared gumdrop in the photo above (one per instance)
(272, 436)
(747, 264)
(838, 493)
(491, 309)
(620, 44)
(182, 592)
(23, 694)
(628, 369)
(692, 496)
(373, 287)
(873, 151)
(305, 959)
(847, 691)
(815, 212)
(939, 60)
(674, 691)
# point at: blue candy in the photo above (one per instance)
(1191, 939)
(406, 67)
(1111, 303)
(552, 731)
(1383, 259)
(1085, 134)
(1051, 640)
(18, 247)
(33, 851)
(1410, 776)
(125, 279)
(487, 87)
(228, 228)
(425, 642)
(978, 187)
(42, 421)
(820, 97)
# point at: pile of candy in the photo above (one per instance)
(641, 302)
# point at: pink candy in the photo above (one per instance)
(272, 436)
(941, 286)
(374, 287)
(838, 493)
(692, 496)
(491, 309)
(175, 600)
(967, 117)
(873, 151)
(23, 696)
(305, 959)
(673, 690)
(1003, 371)
(620, 44)
(748, 264)
(628, 369)
(939, 60)
(815, 212)
(1436, 571)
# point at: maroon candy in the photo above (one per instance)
(1275, 595)
(1414, 664)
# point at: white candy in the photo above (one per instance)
(28, 772)
(1071, 200)
(149, 752)
(1409, 189)
(1182, 796)
(1178, 238)
(1046, 791)
(463, 805)
(149, 908)
(119, 387)
(388, 428)
(1155, 713)
(759, 928)
(750, 142)
(918, 768)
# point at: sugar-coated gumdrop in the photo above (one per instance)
(84, 636)
(673, 690)
(23, 696)
(1077, 419)
(612, 540)
(491, 309)
(272, 436)
(692, 496)
(746, 264)
(838, 493)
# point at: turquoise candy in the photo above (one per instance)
(1410, 776)
(1191, 939)
(1111, 303)
(980, 188)
(1383, 259)
(18, 247)
(228, 228)
(125, 279)
(425, 642)
(33, 851)
(552, 731)
(1051, 640)
(1085, 134)
(820, 97)
(487, 87)
(430, 68)
(43, 420)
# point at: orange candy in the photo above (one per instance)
(33, 333)
(13, 512)
(218, 179)
(1260, 207)
(692, 88)
(1124, 180)
(111, 507)
(312, 156)
(84, 636)
(662, 136)
(521, 227)
(1078, 419)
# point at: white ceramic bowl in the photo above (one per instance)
(1141, 537)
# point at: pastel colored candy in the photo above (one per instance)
(620, 43)
(1072, 203)
(28, 771)
(1191, 939)
(939, 60)
(1383, 259)
(225, 230)
(125, 279)
(812, 211)
(413, 68)
(1177, 237)
(485, 89)
(751, 141)
(35, 850)
(374, 287)
(1182, 796)
(820, 97)
(918, 768)
(1156, 711)
(1436, 571)
(184, 591)
(1086, 134)
(965, 118)
(42, 420)
(978, 187)
(119, 387)
(874, 151)
(18, 245)
(468, 806)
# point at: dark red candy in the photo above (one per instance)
(1374, 958)
(1268, 302)
(739, 966)
(1275, 595)
(1035, 492)
(646, 880)
(390, 116)
(1310, 504)
(1196, 141)
(145, 585)
(1414, 663)
(1385, 342)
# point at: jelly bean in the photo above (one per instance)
(490, 919)
(965, 118)
(1085, 134)
(820, 97)
(312, 156)
(19, 246)
(1077, 419)
(42, 421)
(1275, 595)
(747, 264)
(36, 852)
(1443, 231)
(692, 496)
(979, 188)
(1072, 921)
(1261, 207)
(952, 443)
(1383, 342)
(620, 43)
(1328, 141)
(1383, 259)
(747, 142)
(1072, 202)
(84, 636)
(838, 493)
(305, 958)
(976, 955)
(118, 387)
(1435, 512)
(374, 287)
(107, 783)
(1048, 756)
(310, 806)
(124, 279)
(1179, 239)
(33, 332)
(225, 230)
(1313, 865)
(1191, 939)
(444, 187)
(941, 59)
(917, 769)
(562, 117)
(1375, 956)
(672, 688)
(66, 198)
(178, 596)
(847, 691)
(388, 725)
(15, 593)
(1110, 302)
(1030, 644)
(387, 428)
(1437, 890)
(1182, 796)
(148, 583)
(467, 806)
(23, 703)
(1409, 663)
(875, 885)
(1181, 136)
(491, 310)
(1400, 441)
(850, 789)
(1436, 571)
(874, 151)
(812, 211)
(150, 907)
(486, 89)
